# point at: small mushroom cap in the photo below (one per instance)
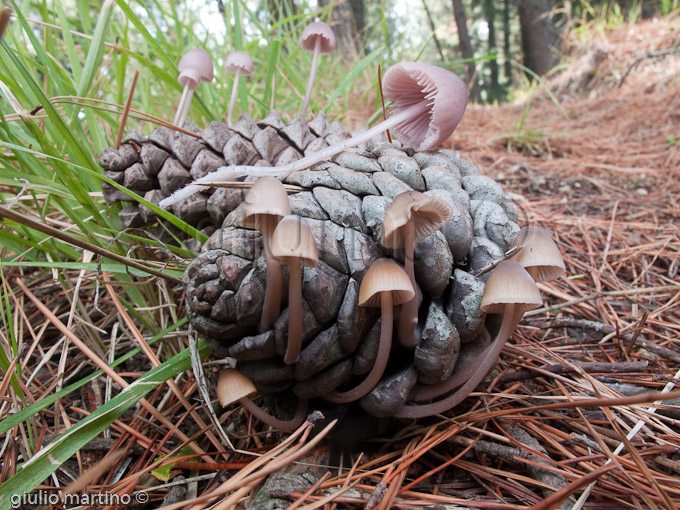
(384, 275)
(232, 386)
(429, 214)
(314, 31)
(195, 66)
(293, 242)
(267, 198)
(509, 283)
(239, 61)
(540, 252)
(410, 83)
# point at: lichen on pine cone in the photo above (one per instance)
(344, 201)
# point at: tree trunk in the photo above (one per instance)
(343, 27)
(466, 49)
(507, 56)
(538, 35)
(494, 91)
(359, 13)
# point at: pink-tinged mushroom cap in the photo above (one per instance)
(318, 30)
(410, 83)
(239, 61)
(194, 67)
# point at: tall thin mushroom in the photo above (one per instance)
(265, 205)
(384, 285)
(294, 246)
(239, 63)
(194, 67)
(509, 290)
(410, 218)
(429, 103)
(318, 38)
(234, 386)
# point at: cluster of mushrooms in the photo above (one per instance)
(427, 103)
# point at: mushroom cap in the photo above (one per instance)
(428, 213)
(539, 251)
(195, 66)
(267, 198)
(239, 61)
(293, 242)
(410, 83)
(232, 386)
(385, 275)
(509, 283)
(318, 30)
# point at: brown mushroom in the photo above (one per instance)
(509, 290)
(239, 63)
(410, 218)
(265, 205)
(234, 386)
(538, 254)
(429, 101)
(384, 285)
(294, 246)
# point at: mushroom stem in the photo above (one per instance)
(232, 100)
(265, 417)
(272, 297)
(312, 75)
(294, 313)
(183, 107)
(482, 365)
(380, 361)
(408, 320)
(230, 173)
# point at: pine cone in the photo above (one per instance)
(344, 202)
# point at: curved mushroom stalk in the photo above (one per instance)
(481, 366)
(277, 423)
(385, 284)
(429, 101)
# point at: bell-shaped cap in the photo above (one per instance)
(293, 243)
(318, 30)
(428, 214)
(194, 67)
(232, 386)
(509, 283)
(410, 83)
(239, 61)
(266, 199)
(538, 252)
(385, 275)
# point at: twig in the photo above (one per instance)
(649, 54)
(126, 110)
(587, 366)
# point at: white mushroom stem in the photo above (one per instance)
(482, 364)
(231, 173)
(312, 75)
(232, 100)
(183, 107)
(294, 313)
(265, 417)
(408, 320)
(380, 363)
(272, 296)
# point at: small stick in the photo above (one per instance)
(587, 366)
(126, 110)
(382, 100)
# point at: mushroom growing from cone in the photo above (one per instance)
(429, 102)
(384, 285)
(234, 386)
(410, 218)
(510, 290)
(294, 246)
(194, 67)
(318, 38)
(240, 63)
(265, 205)
(538, 254)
